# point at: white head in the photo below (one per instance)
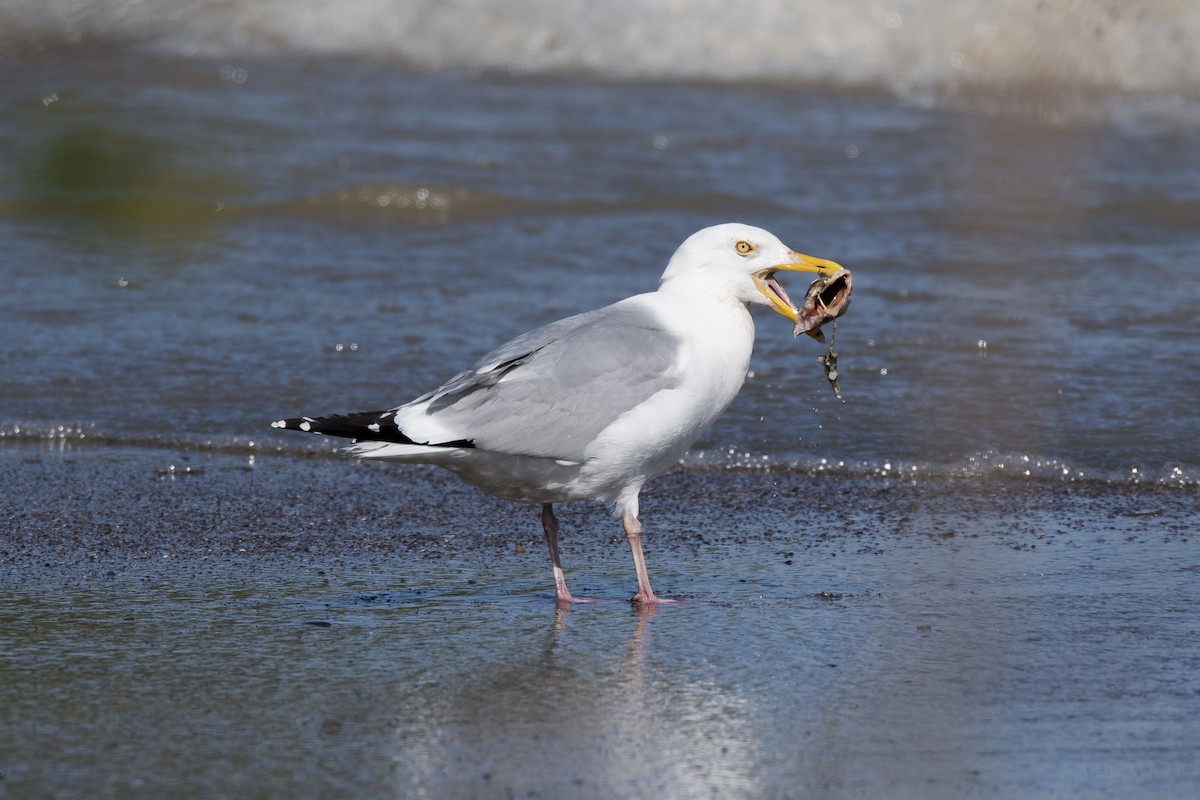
(739, 262)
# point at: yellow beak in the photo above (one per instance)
(776, 296)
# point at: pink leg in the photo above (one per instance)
(550, 526)
(633, 532)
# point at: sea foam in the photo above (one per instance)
(906, 46)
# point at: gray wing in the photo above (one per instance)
(550, 392)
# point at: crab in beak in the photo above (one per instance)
(777, 296)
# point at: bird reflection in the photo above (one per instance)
(589, 708)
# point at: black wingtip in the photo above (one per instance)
(364, 426)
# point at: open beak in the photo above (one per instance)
(774, 292)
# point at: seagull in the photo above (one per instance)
(595, 405)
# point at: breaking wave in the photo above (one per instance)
(906, 46)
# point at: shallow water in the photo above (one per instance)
(189, 257)
(975, 575)
(846, 637)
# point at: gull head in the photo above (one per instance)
(740, 262)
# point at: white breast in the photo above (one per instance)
(716, 339)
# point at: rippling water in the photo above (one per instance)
(195, 247)
(215, 214)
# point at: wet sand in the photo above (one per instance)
(310, 627)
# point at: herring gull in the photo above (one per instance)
(594, 405)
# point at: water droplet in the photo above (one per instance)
(234, 74)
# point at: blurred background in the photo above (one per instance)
(218, 213)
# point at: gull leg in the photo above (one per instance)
(550, 525)
(633, 533)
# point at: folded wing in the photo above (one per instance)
(552, 391)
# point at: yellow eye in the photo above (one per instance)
(744, 248)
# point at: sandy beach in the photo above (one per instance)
(973, 575)
(314, 627)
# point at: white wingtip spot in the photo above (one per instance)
(373, 427)
(279, 423)
(304, 426)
